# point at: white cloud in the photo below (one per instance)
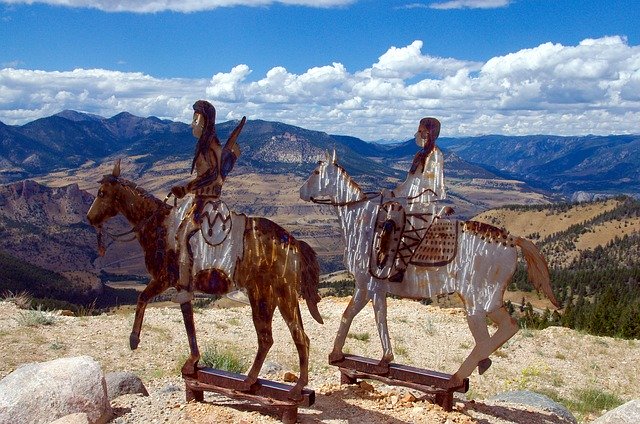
(470, 4)
(587, 88)
(184, 6)
(407, 62)
(29, 94)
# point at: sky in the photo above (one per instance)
(364, 68)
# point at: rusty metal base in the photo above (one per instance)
(268, 393)
(354, 367)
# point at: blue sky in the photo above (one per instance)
(365, 68)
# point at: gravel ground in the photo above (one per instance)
(556, 360)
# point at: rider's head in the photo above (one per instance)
(428, 132)
(204, 119)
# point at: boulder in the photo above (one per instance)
(44, 392)
(77, 418)
(124, 383)
(629, 413)
(537, 401)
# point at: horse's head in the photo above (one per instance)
(321, 182)
(104, 205)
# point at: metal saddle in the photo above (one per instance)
(420, 239)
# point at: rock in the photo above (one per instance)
(270, 367)
(78, 418)
(367, 387)
(171, 388)
(629, 413)
(44, 392)
(290, 377)
(408, 398)
(537, 401)
(124, 383)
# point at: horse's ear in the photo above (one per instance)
(334, 157)
(327, 156)
(116, 169)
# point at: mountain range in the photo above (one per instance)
(563, 167)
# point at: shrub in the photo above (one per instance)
(36, 317)
(222, 359)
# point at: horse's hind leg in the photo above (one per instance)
(357, 302)
(291, 315)
(485, 344)
(380, 311)
(262, 314)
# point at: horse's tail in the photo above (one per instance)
(309, 279)
(537, 268)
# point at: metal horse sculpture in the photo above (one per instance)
(480, 272)
(261, 258)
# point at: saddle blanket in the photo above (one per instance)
(439, 245)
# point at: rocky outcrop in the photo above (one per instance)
(629, 413)
(47, 226)
(44, 392)
(124, 383)
(536, 401)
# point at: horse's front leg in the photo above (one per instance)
(380, 311)
(189, 366)
(154, 288)
(358, 301)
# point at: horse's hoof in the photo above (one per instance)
(484, 365)
(189, 368)
(381, 368)
(295, 394)
(455, 381)
(335, 357)
(248, 385)
(134, 341)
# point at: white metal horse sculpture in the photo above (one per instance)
(480, 272)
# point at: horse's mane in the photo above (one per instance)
(135, 189)
(349, 178)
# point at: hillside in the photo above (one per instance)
(595, 262)
(47, 226)
(565, 231)
(575, 166)
(544, 361)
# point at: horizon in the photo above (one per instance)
(381, 141)
(369, 69)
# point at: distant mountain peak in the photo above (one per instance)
(76, 116)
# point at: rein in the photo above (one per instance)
(367, 196)
(119, 236)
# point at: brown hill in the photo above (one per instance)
(582, 226)
(47, 226)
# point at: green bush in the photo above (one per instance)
(220, 359)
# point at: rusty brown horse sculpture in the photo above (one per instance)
(268, 263)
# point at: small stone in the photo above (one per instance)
(290, 377)
(367, 387)
(408, 398)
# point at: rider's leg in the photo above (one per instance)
(185, 260)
